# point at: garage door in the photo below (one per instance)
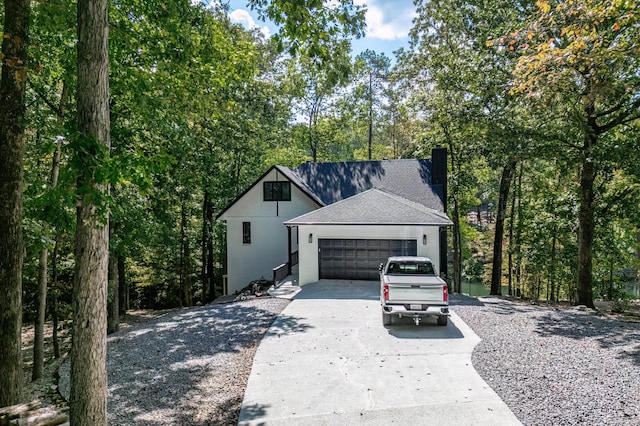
(359, 259)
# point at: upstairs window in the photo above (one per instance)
(277, 191)
(246, 232)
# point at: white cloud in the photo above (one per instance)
(242, 17)
(388, 19)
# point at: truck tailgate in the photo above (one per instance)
(403, 289)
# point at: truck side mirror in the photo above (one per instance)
(381, 267)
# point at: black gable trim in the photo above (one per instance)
(245, 191)
(257, 181)
(295, 179)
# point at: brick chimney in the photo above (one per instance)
(439, 173)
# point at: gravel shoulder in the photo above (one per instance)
(552, 366)
(187, 367)
(556, 366)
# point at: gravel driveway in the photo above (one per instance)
(556, 366)
(551, 366)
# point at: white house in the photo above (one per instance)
(341, 220)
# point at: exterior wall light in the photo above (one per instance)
(424, 239)
(310, 238)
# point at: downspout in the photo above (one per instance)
(289, 250)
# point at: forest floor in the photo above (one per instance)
(45, 389)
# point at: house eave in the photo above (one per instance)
(286, 175)
(440, 224)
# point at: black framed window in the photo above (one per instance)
(246, 232)
(277, 191)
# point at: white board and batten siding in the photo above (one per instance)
(269, 244)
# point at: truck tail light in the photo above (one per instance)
(445, 293)
(385, 291)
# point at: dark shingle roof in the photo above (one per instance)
(332, 182)
(328, 183)
(373, 207)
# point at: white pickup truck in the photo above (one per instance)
(410, 287)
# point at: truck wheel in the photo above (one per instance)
(386, 319)
(442, 320)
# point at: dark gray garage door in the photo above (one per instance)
(359, 259)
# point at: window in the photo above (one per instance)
(277, 191)
(246, 232)
(413, 268)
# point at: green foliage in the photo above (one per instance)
(312, 27)
(473, 270)
(285, 156)
(459, 73)
(200, 107)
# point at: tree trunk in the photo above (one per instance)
(313, 143)
(503, 195)
(181, 267)
(210, 269)
(123, 289)
(586, 226)
(38, 341)
(185, 254)
(187, 287)
(554, 264)
(88, 399)
(113, 312)
(38, 338)
(15, 45)
(203, 246)
(88, 348)
(512, 218)
(610, 290)
(208, 276)
(370, 139)
(518, 235)
(54, 297)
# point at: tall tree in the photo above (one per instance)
(43, 272)
(460, 82)
(88, 399)
(15, 44)
(113, 298)
(399, 118)
(375, 69)
(314, 86)
(503, 194)
(584, 56)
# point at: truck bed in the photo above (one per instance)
(411, 287)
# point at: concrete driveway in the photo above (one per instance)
(328, 360)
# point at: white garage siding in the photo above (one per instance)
(308, 246)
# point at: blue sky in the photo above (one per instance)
(388, 24)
